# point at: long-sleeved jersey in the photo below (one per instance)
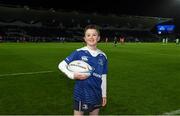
(92, 89)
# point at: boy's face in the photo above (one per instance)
(91, 37)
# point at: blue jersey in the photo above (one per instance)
(89, 90)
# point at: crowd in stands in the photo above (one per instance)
(63, 27)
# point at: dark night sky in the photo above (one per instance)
(159, 8)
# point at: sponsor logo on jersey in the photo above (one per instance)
(97, 75)
(84, 58)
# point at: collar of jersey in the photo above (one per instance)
(94, 53)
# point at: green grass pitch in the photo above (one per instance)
(143, 78)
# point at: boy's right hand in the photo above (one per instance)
(80, 76)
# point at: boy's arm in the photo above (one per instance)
(104, 85)
(63, 67)
(104, 89)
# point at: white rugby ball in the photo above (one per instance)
(79, 66)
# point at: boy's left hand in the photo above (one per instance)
(104, 101)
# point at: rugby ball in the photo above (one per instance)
(79, 66)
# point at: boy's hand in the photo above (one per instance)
(80, 76)
(104, 101)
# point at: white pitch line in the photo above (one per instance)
(27, 73)
(176, 112)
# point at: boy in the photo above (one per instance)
(89, 91)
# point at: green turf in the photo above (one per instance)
(143, 78)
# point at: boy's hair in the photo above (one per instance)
(92, 27)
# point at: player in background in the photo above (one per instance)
(89, 92)
(163, 41)
(1, 38)
(177, 41)
(115, 41)
(121, 39)
(167, 40)
(106, 40)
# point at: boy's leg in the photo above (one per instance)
(77, 108)
(78, 113)
(94, 112)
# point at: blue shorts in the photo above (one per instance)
(85, 107)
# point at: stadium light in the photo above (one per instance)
(159, 32)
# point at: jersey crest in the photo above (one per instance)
(100, 62)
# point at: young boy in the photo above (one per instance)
(89, 91)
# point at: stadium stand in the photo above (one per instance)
(22, 23)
